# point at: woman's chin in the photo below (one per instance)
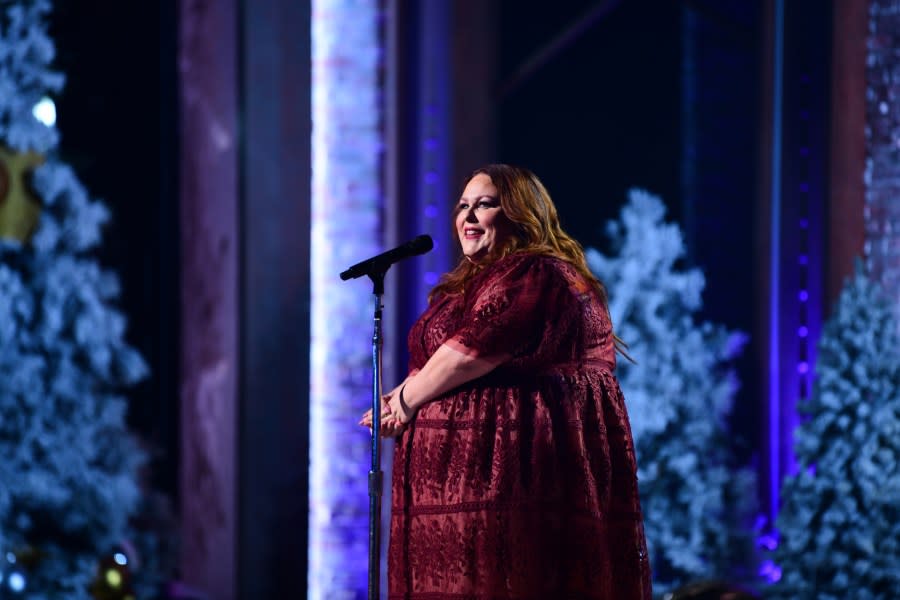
(475, 254)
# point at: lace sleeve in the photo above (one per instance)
(507, 310)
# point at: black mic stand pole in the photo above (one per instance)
(375, 268)
(376, 475)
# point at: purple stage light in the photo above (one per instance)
(770, 571)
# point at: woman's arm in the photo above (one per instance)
(506, 318)
(402, 383)
(447, 368)
(387, 428)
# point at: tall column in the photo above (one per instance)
(275, 277)
(346, 221)
(474, 55)
(846, 229)
(208, 68)
(882, 176)
(245, 231)
(421, 173)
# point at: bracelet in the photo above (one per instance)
(403, 403)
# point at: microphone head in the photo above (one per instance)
(413, 247)
(420, 244)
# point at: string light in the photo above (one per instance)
(796, 249)
(45, 111)
(113, 578)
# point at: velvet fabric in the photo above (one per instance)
(521, 483)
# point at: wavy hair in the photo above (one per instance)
(527, 205)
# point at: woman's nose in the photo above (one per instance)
(470, 215)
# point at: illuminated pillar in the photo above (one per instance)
(346, 222)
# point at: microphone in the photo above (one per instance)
(414, 247)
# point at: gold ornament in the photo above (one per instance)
(112, 581)
(19, 208)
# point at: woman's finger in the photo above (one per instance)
(392, 430)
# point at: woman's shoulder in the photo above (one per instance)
(549, 271)
(528, 260)
(525, 267)
(541, 266)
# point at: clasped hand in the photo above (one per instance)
(395, 413)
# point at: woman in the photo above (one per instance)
(514, 474)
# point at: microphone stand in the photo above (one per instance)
(376, 267)
(376, 476)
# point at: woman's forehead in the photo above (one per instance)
(478, 186)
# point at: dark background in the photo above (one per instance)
(655, 94)
(659, 95)
(117, 115)
(602, 114)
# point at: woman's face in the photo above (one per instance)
(480, 222)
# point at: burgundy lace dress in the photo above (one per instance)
(521, 483)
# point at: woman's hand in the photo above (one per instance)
(390, 427)
(399, 408)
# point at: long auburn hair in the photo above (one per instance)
(527, 205)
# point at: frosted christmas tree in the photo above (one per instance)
(839, 524)
(698, 508)
(67, 463)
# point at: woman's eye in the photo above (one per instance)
(478, 205)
